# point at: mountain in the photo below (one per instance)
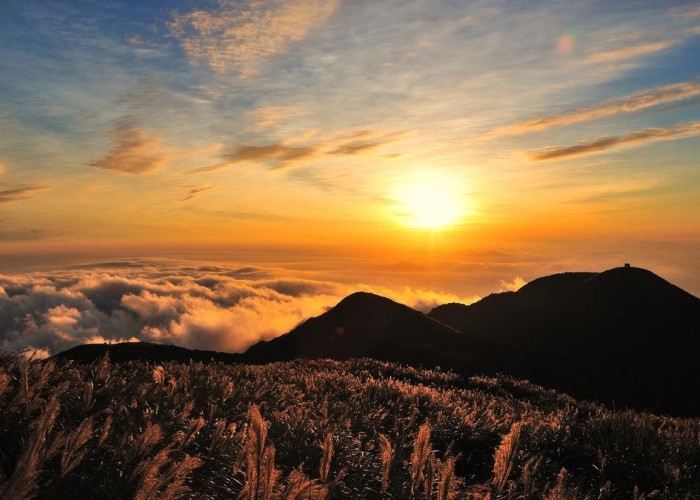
(623, 336)
(361, 325)
(143, 351)
(368, 325)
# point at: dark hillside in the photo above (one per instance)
(361, 324)
(623, 336)
(368, 325)
(143, 351)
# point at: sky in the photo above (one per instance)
(444, 148)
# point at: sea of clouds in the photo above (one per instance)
(216, 307)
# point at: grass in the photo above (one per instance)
(323, 429)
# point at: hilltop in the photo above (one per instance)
(368, 325)
(623, 336)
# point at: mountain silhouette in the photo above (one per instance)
(623, 336)
(361, 325)
(368, 325)
(143, 351)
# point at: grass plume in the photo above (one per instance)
(386, 454)
(420, 458)
(504, 457)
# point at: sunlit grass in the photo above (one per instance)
(322, 429)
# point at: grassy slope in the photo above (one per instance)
(136, 430)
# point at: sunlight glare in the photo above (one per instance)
(429, 204)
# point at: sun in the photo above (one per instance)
(429, 204)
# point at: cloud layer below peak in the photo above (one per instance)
(195, 306)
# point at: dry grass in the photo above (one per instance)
(420, 466)
(504, 457)
(386, 453)
(323, 429)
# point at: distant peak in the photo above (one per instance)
(365, 298)
(634, 279)
(556, 282)
(628, 268)
(360, 295)
(626, 273)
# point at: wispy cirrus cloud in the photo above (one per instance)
(363, 141)
(19, 193)
(237, 36)
(289, 153)
(135, 150)
(276, 155)
(279, 154)
(685, 12)
(268, 116)
(636, 101)
(599, 145)
(355, 148)
(194, 191)
(632, 51)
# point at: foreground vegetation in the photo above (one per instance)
(322, 429)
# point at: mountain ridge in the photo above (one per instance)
(623, 337)
(144, 351)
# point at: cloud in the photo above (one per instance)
(287, 153)
(351, 149)
(629, 103)
(206, 307)
(647, 135)
(685, 12)
(277, 154)
(21, 235)
(194, 191)
(363, 145)
(513, 286)
(135, 150)
(237, 36)
(269, 116)
(19, 193)
(421, 299)
(630, 52)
